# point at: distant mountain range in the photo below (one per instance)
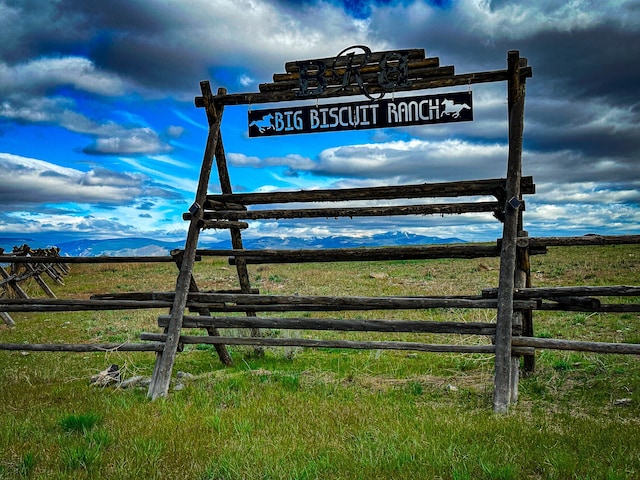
(128, 247)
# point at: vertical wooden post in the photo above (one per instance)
(503, 383)
(164, 362)
(521, 278)
(524, 261)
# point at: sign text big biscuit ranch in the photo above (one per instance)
(383, 113)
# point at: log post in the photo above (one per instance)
(524, 268)
(522, 279)
(7, 319)
(503, 387)
(159, 386)
(12, 283)
(36, 276)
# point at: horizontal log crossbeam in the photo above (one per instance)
(418, 71)
(404, 326)
(585, 240)
(569, 291)
(577, 345)
(83, 347)
(368, 67)
(76, 305)
(521, 345)
(427, 209)
(105, 259)
(412, 252)
(313, 343)
(575, 298)
(289, 95)
(217, 302)
(538, 245)
(490, 187)
(229, 302)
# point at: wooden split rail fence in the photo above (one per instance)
(220, 305)
(583, 299)
(16, 273)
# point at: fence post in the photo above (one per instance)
(164, 363)
(503, 382)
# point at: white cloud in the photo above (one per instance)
(408, 161)
(50, 183)
(582, 218)
(43, 74)
(245, 80)
(116, 140)
(247, 35)
(294, 161)
(187, 182)
(111, 138)
(581, 130)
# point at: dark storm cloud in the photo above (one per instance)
(598, 62)
(582, 115)
(168, 47)
(122, 37)
(33, 28)
(152, 65)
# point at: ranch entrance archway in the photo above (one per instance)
(374, 76)
(354, 72)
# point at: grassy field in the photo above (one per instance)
(326, 413)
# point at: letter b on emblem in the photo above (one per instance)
(311, 72)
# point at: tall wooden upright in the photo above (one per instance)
(164, 362)
(505, 385)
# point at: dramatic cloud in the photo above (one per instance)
(30, 97)
(28, 181)
(96, 108)
(48, 73)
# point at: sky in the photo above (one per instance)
(100, 137)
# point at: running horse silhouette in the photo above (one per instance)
(264, 123)
(453, 109)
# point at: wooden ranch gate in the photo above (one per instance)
(355, 71)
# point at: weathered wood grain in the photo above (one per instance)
(494, 187)
(312, 343)
(290, 95)
(578, 346)
(289, 323)
(83, 348)
(427, 209)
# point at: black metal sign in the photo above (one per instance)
(384, 113)
(390, 69)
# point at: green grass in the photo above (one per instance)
(80, 422)
(326, 413)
